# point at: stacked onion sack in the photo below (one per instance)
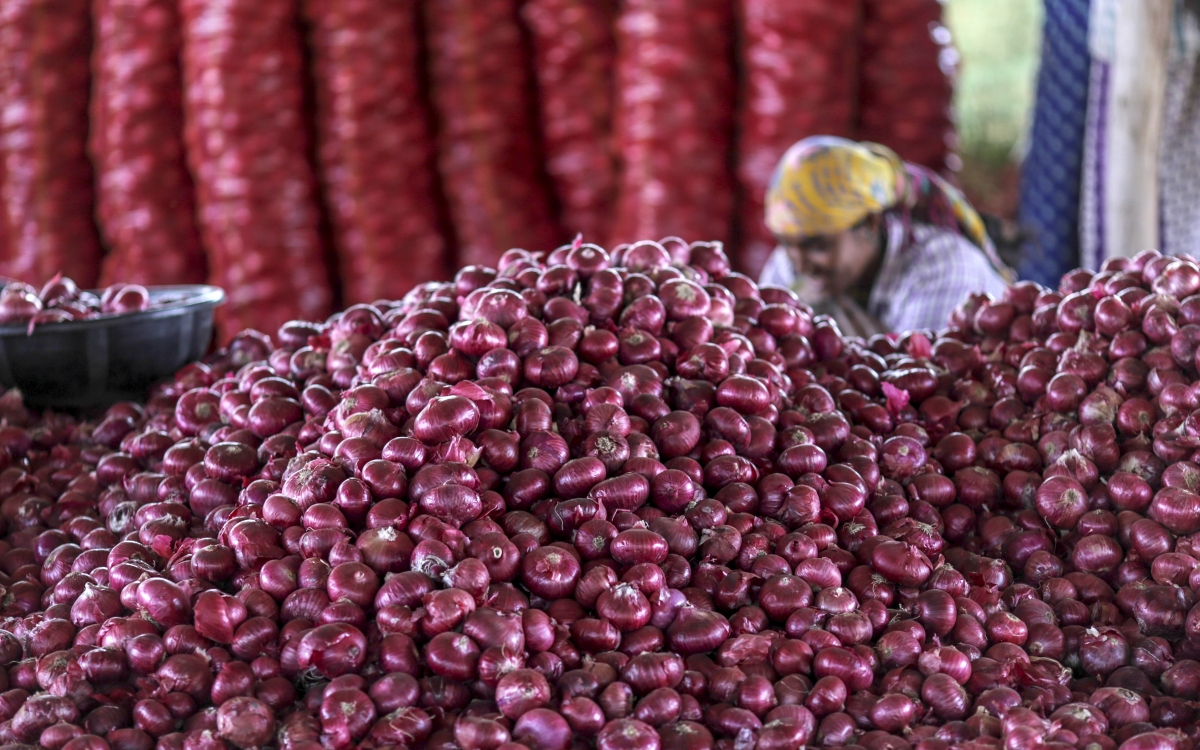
(626, 502)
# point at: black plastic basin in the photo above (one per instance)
(94, 363)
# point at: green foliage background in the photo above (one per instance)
(998, 41)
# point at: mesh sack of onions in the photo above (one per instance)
(800, 63)
(673, 119)
(625, 500)
(905, 87)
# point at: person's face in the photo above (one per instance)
(837, 261)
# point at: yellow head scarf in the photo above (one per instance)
(825, 185)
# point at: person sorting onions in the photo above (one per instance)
(876, 243)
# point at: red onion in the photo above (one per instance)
(332, 650)
(901, 563)
(445, 417)
(520, 691)
(549, 572)
(1062, 501)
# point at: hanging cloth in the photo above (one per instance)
(1053, 168)
(1179, 164)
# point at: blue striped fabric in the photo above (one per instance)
(1051, 175)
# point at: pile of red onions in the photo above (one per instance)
(61, 301)
(626, 501)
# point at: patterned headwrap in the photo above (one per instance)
(825, 185)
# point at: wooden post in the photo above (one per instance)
(1135, 123)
